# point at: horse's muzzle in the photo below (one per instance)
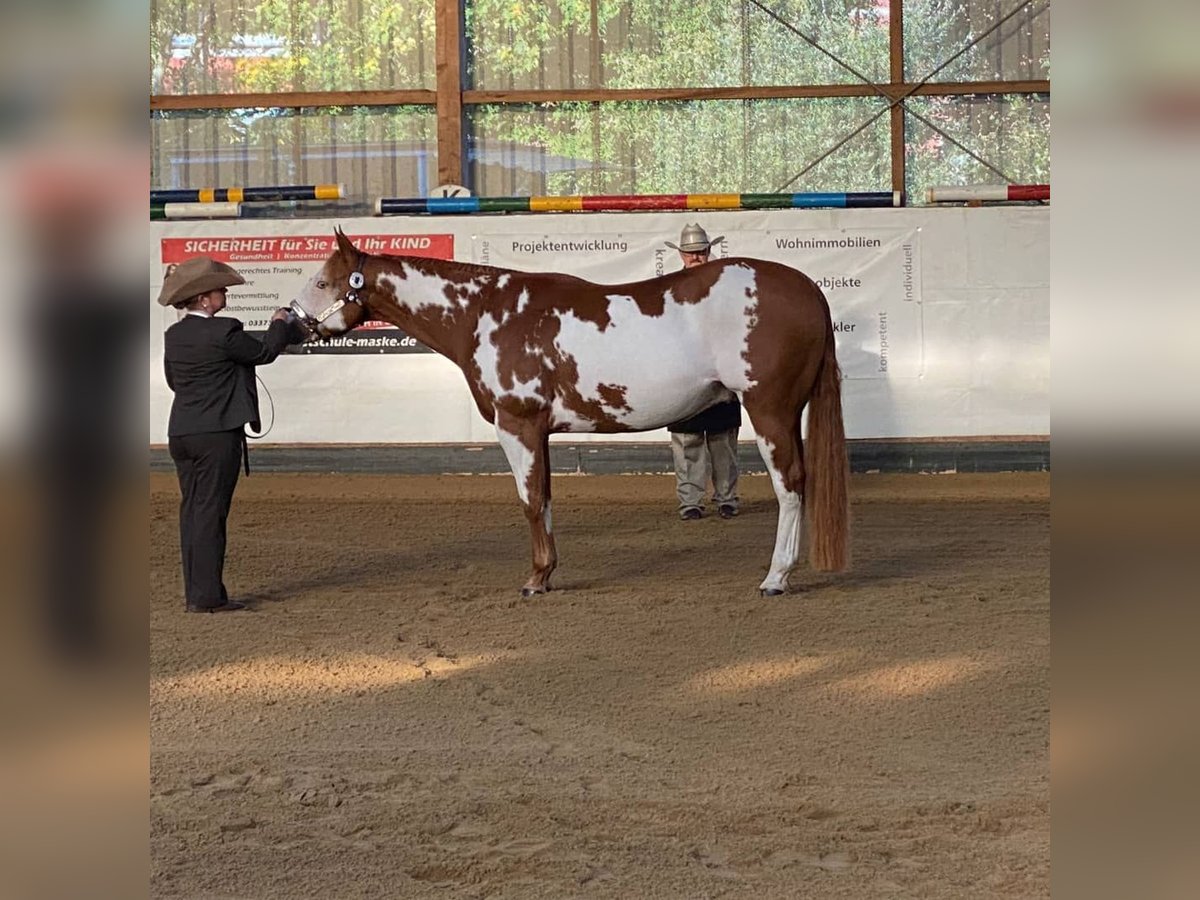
(307, 322)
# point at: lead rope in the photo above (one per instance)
(254, 437)
(271, 403)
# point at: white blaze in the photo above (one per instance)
(315, 301)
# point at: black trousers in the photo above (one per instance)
(208, 466)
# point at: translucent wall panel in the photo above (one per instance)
(564, 44)
(1018, 50)
(855, 33)
(378, 151)
(708, 146)
(1010, 132)
(240, 46)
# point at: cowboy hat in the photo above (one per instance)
(196, 276)
(694, 239)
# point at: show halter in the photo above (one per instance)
(357, 282)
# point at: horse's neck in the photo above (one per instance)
(436, 301)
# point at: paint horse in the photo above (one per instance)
(547, 353)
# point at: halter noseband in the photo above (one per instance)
(309, 321)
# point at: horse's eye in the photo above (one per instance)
(321, 285)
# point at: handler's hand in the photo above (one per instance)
(281, 315)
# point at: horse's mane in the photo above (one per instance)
(450, 266)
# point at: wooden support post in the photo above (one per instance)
(450, 154)
(896, 40)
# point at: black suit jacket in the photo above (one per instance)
(209, 364)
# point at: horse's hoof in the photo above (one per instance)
(532, 592)
(771, 592)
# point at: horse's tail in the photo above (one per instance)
(826, 467)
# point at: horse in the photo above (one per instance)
(547, 353)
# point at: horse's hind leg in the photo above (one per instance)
(779, 444)
(526, 443)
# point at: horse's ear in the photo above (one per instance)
(347, 249)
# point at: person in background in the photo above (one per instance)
(705, 446)
(209, 363)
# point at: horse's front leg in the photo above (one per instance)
(526, 443)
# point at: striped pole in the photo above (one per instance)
(251, 194)
(987, 192)
(195, 211)
(394, 206)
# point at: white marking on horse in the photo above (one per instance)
(311, 296)
(520, 459)
(487, 358)
(787, 534)
(416, 290)
(487, 354)
(667, 364)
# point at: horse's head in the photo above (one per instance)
(334, 300)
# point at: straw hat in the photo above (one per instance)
(196, 276)
(694, 239)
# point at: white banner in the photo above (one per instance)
(607, 257)
(963, 295)
(871, 278)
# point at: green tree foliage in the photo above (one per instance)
(746, 146)
(244, 46)
(660, 147)
(203, 46)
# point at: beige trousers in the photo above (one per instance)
(699, 457)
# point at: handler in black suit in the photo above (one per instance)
(209, 365)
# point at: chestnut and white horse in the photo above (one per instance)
(546, 353)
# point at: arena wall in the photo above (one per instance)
(966, 290)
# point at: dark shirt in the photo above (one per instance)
(718, 417)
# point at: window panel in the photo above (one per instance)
(668, 43)
(232, 46)
(249, 46)
(791, 138)
(1018, 50)
(854, 32)
(1012, 132)
(377, 151)
(716, 146)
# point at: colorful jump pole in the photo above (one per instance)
(394, 206)
(987, 192)
(251, 194)
(194, 211)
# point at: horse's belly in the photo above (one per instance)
(642, 372)
(567, 416)
(635, 396)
